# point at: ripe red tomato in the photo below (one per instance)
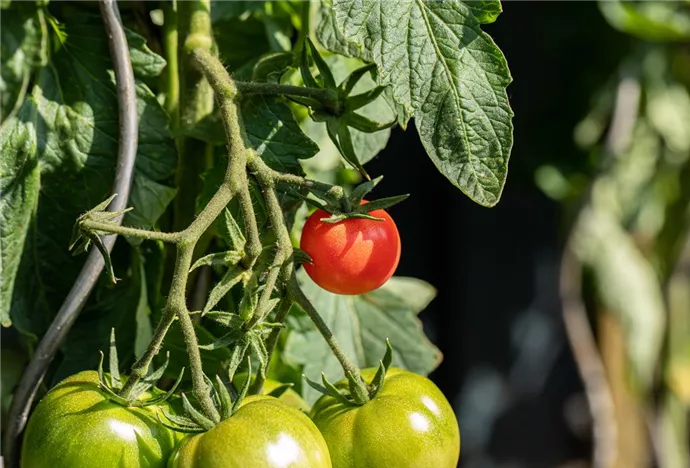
(354, 256)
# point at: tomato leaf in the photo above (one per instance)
(68, 128)
(19, 189)
(362, 324)
(486, 11)
(450, 75)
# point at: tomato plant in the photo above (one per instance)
(408, 423)
(75, 425)
(218, 124)
(354, 256)
(263, 432)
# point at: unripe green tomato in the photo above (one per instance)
(408, 424)
(263, 433)
(76, 426)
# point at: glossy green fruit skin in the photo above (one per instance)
(408, 424)
(76, 426)
(263, 433)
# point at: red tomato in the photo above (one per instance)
(354, 256)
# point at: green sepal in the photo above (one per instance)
(306, 101)
(113, 363)
(362, 190)
(224, 398)
(304, 70)
(342, 139)
(96, 239)
(300, 256)
(324, 70)
(363, 124)
(257, 344)
(179, 423)
(165, 396)
(351, 80)
(329, 390)
(236, 357)
(384, 364)
(335, 219)
(381, 203)
(356, 391)
(196, 415)
(228, 258)
(245, 388)
(360, 100)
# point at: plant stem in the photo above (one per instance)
(170, 41)
(171, 237)
(196, 103)
(335, 193)
(297, 295)
(271, 341)
(327, 97)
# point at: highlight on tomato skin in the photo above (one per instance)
(353, 256)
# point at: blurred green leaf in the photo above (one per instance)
(649, 20)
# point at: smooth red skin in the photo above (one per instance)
(354, 256)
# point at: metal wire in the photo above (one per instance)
(53, 338)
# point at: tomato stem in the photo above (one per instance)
(296, 294)
(327, 97)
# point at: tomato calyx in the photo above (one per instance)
(225, 398)
(83, 237)
(338, 112)
(352, 205)
(112, 383)
(352, 396)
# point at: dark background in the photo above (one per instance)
(507, 369)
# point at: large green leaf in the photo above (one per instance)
(76, 126)
(450, 75)
(22, 48)
(19, 188)
(362, 324)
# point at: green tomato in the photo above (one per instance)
(76, 426)
(263, 433)
(409, 423)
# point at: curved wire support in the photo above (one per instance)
(66, 316)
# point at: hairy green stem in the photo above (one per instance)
(335, 193)
(172, 72)
(297, 295)
(196, 103)
(328, 97)
(90, 225)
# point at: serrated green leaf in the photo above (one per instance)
(76, 122)
(275, 134)
(486, 11)
(19, 190)
(229, 279)
(362, 324)
(450, 75)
